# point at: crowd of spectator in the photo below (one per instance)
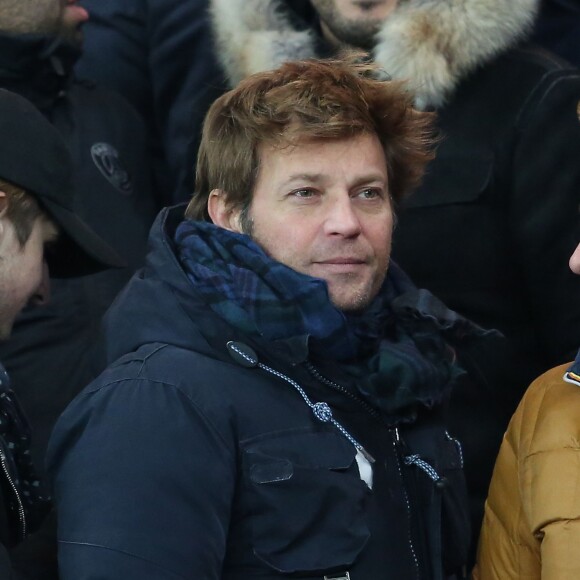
(115, 111)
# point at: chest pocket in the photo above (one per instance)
(453, 179)
(306, 501)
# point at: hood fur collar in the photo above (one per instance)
(432, 44)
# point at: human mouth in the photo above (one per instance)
(343, 261)
(341, 264)
(368, 4)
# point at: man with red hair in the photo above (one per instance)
(275, 403)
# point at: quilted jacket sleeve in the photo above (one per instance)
(531, 527)
(549, 474)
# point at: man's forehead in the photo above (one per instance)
(288, 143)
(283, 150)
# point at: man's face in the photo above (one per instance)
(73, 17)
(352, 22)
(575, 261)
(23, 271)
(323, 208)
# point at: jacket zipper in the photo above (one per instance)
(314, 372)
(397, 448)
(20, 505)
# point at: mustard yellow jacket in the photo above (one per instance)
(531, 527)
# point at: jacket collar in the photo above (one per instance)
(162, 281)
(431, 44)
(572, 375)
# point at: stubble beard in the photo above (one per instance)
(5, 328)
(362, 297)
(246, 222)
(359, 33)
(357, 303)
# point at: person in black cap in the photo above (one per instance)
(39, 231)
(111, 176)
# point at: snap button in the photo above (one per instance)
(242, 354)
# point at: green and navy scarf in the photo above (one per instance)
(403, 335)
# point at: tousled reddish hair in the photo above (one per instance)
(308, 100)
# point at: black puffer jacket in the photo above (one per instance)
(48, 356)
(188, 459)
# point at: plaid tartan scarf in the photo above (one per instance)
(401, 338)
(258, 295)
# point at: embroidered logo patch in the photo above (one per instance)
(106, 158)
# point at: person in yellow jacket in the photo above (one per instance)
(531, 527)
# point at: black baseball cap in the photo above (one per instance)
(34, 157)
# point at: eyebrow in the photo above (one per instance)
(310, 177)
(318, 177)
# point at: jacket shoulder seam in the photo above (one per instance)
(202, 415)
(148, 356)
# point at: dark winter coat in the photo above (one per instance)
(159, 55)
(490, 233)
(558, 29)
(186, 460)
(49, 354)
(27, 535)
(492, 227)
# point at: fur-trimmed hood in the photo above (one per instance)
(430, 43)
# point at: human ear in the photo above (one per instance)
(221, 213)
(3, 203)
(575, 260)
(3, 210)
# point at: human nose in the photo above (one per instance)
(575, 260)
(42, 294)
(342, 218)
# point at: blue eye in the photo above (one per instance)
(303, 193)
(369, 193)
